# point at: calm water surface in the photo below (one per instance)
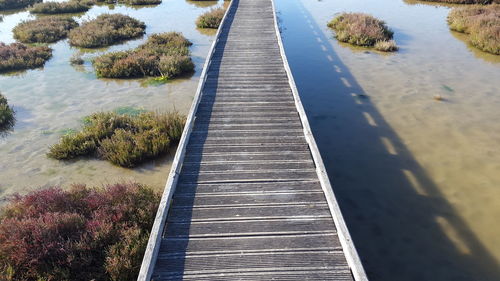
(51, 100)
(418, 180)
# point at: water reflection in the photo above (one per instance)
(403, 225)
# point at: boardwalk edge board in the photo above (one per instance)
(350, 252)
(154, 242)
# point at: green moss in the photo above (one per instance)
(72, 6)
(482, 23)
(105, 30)
(6, 115)
(211, 19)
(164, 54)
(362, 30)
(16, 4)
(17, 56)
(124, 140)
(44, 29)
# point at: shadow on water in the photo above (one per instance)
(402, 225)
(180, 216)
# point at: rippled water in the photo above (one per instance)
(51, 100)
(418, 180)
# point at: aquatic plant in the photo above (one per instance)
(44, 29)
(131, 2)
(77, 234)
(386, 46)
(76, 59)
(483, 2)
(17, 56)
(16, 4)
(105, 30)
(124, 140)
(362, 30)
(164, 54)
(482, 23)
(72, 6)
(211, 19)
(6, 115)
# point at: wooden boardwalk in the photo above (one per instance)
(248, 197)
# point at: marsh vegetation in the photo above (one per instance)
(16, 4)
(363, 30)
(18, 56)
(6, 115)
(131, 2)
(481, 23)
(124, 140)
(72, 6)
(211, 19)
(166, 55)
(78, 234)
(44, 29)
(105, 30)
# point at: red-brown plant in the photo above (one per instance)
(77, 234)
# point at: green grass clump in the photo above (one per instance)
(124, 140)
(105, 30)
(17, 56)
(6, 114)
(44, 29)
(72, 6)
(211, 19)
(16, 4)
(164, 54)
(482, 23)
(362, 30)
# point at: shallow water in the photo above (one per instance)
(51, 100)
(418, 180)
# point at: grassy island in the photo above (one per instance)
(363, 30)
(124, 140)
(6, 114)
(44, 29)
(131, 2)
(467, 2)
(106, 30)
(481, 23)
(82, 233)
(72, 6)
(211, 19)
(16, 4)
(165, 54)
(17, 56)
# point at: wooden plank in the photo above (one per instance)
(233, 188)
(213, 149)
(195, 168)
(284, 275)
(249, 227)
(245, 176)
(245, 156)
(194, 214)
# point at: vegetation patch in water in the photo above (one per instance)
(17, 56)
(484, 2)
(44, 30)
(482, 23)
(363, 30)
(105, 30)
(166, 55)
(126, 140)
(16, 4)
(6, 115)
(77, 234)
(72, 6)
(211, 19)
(131, 2)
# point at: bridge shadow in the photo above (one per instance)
(179, 222)
(402, 225)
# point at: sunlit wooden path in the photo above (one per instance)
(248, 197)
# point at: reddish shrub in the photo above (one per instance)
(79, 234)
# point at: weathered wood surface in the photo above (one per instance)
(249, 200)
